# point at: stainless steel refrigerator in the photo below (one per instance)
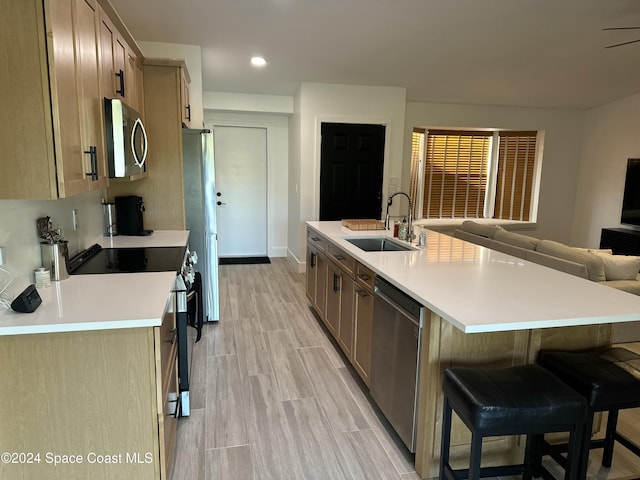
(200, 212)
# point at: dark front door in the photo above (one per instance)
(351, 166)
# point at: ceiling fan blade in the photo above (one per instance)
(621, 28)
(623, 43)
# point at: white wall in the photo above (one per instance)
(244, 102)
(192, 55)
(277, 127)
(317, 103)
(562, 149)
(611, 136)
(19, 237)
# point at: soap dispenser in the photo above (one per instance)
(403, 231)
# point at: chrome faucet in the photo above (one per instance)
(409, 216)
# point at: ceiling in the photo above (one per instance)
(540, 53)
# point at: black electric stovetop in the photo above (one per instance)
(128, 260)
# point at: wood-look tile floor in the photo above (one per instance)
(272, 397)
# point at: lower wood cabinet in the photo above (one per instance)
(341, 292)
(105, 397)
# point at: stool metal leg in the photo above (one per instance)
(610, 440)
(446, 439)
(585, 445)
(476, 456)
(576, 450)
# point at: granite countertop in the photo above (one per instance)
(481, 290)
(99, 302)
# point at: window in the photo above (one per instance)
(474, 173)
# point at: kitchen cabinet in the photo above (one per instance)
(51, 125)
(163, 188)
(91, 393)
(316, 274)
(341, 292)
(121, 65)
(185, 105)
(363, 320)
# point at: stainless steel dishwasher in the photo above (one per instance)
(395, 358)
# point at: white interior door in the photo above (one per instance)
(241, 191)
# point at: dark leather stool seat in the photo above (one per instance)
(610, 381)
(521, 400)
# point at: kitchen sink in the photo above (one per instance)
(378, 244)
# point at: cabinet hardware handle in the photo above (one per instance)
(362, 293)
(188, 107)
(364, 277)
(338, 257)
(336, 280)
(174, 334)
(315, 239)
(93, 156)
(313, 260)
(120, 75)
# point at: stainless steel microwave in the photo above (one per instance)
(126, 140)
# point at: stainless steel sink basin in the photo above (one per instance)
(378, 244)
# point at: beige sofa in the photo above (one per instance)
(617, 271)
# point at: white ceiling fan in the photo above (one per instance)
(623, 43)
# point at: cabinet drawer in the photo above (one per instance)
(168, 338)
(316, 240)
(346, 261)
(365, 276)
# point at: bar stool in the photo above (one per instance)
(520, 400)
(610, 381)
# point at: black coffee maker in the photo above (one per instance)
(129, 221)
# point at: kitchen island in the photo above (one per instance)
(89, 379)
(484, 308)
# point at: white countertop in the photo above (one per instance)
(481, 290)
(159, 238)
(99, 302)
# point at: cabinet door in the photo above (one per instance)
(131, 89)
(334, 289)
(321, 285)
(107, 40)
(363, 324)
(92, 136)
(312, 270)
(65, 98)
(345, 327)
(184, 99)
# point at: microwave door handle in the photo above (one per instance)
(139, 161)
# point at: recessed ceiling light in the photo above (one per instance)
(258, 61)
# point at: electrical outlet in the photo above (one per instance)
(75, 218)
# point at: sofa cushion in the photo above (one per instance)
(480, 228)
(593, 262)
(560, 264)
(620, 267)
(629, 286)
(516, 239)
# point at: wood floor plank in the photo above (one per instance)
(221, 338)
(269, 434)
(232, 463)
(398, 453)
(290, 374)
(269, 316)
(190, 454)
(225, 403)
(366, 458)
(339, 406)
(316, 448)
(305, 329)
(198, 368)
(251, 345)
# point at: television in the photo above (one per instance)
(631, 199)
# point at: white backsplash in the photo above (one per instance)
(19, 237)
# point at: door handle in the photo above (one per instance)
(220, 203)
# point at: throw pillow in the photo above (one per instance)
(620, 267)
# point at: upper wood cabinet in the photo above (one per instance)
(121, 66)
(51, 123)
(185, 79)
